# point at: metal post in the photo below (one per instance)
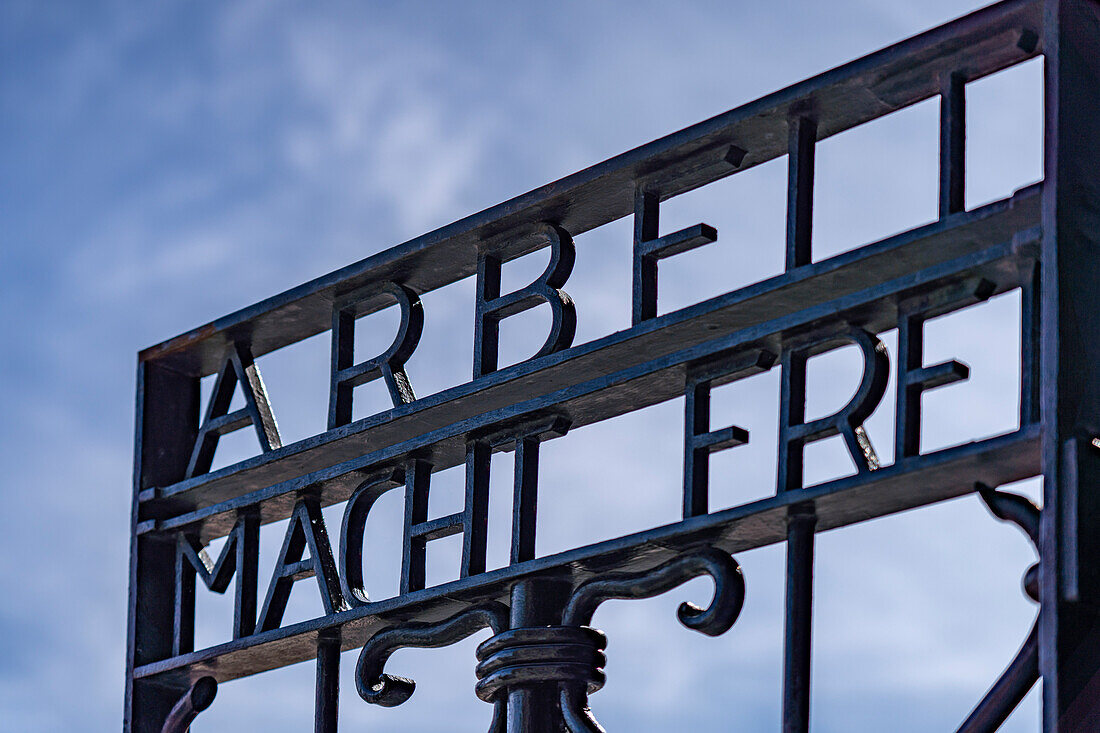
(798, 634)
(536, 709)
(167, 423)
(1069, 634)
(326, 707)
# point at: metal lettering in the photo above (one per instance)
(492, 307)
(389, 365)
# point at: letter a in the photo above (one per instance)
(239, 368)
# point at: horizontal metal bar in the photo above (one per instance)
(776, 297)
(940, 374)
(512, 304)
(679, 242)
(437, 529)
(358, 374)
(298, 570)
(911, 483)
(228, 423)
(607, 395)
(982, 43)
(720, 440)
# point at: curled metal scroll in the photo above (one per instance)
(197, 698)
(1023, 672)
(569, 656)
(729, 591)
(717, 618)
(387, 690)
(1012, 508)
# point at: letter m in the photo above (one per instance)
(240, 554)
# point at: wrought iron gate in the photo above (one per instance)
(544, 660)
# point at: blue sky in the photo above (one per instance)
(167, 163)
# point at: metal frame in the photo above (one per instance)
(544, 659)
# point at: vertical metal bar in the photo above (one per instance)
(475, 522)
(326, 705)
(525, 499)
(953, 144)
(696, 459)
(801, 520)
(792, 411)
(910, 359)
(418, 476)
(536, 709)
(1030, 330)
(1069, 634)
(647, 208)
(802, 143)
(167, 424)
(798, 639)
(183, 637)
(486, 324)
(248, 567)
(343, 356)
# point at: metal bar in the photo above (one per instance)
(475, 520)
(1030, 334)
(792, 411)
(910, 358)
(906, 484)
(438, 528)
(983, 42)
(525, 499)
(798, 632)
(167, 422)
(569, 369)
(802, 141)
(589, 402)
(1069, 637)
(647, 212)
(535, 708)
(326, 705)
(414, 549)
(696, 460)
(654, 382)
(679, 242)
(486, 330)
(953, 144)
(1008, 691)
(837, 276)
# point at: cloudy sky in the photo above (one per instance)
(167, 163)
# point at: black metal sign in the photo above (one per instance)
(544, 659)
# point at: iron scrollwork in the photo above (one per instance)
(198, 697)
(716, 619)
(1023, 671)
(379, 688)
(568, 656)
